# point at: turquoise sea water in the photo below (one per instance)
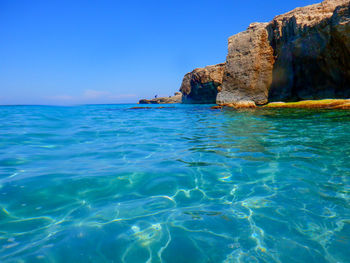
(181, 184)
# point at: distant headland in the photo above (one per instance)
(301, 55)
(177, 98)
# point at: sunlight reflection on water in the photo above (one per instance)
(185, 184)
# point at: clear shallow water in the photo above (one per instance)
(184, 184)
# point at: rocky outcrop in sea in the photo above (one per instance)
(177, 98)
(303, 54)
(202, 84)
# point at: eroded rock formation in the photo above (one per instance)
(312, 51)
(202, 84)
(303, 54)
(249, 65)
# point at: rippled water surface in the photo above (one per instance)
(184, 183)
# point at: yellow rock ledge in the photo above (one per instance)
(312, 104)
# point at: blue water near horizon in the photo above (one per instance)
(106, 183)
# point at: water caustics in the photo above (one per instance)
(106, 183)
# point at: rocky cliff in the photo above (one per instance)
(303, 54)
(202, 84)
(312, 51)
(249, 66)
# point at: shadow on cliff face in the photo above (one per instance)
(202, 93)
(202, 85)
(312, 62)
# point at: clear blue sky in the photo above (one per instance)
(110, 51)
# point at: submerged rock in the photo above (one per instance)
(244, 104)
(148, 108)
(177, 98)
(139, 108)
(202, 84)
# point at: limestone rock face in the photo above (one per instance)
(303, 54)
(202, 85)
(312, 50)
(249, 65)
(177, 98)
